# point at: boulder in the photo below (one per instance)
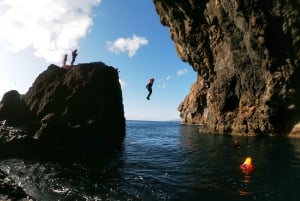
(79, 109)
(14, 110)
(9, 190)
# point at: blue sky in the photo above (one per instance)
(127, 35)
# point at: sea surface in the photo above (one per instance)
(168, 161)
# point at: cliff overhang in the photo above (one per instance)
(246, 55)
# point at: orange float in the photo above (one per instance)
(247, 167)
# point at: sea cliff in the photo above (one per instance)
(246, 56)
(65, 111)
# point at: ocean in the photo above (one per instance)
(167, 161)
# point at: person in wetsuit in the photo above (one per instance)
(149, 87)
(74, 55)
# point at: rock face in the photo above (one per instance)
(13, 109)
(246, 55)
(9, 190)
(80, 109)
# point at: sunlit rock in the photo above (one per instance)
(246, 56)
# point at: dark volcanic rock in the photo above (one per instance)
(15, 142)
(14, 110)
(246, 55)
(75, 110)
(9, 190)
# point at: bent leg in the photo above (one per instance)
(149, 94)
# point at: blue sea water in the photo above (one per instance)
(168, 161)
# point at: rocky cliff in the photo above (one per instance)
(65, 111)
(246, 54)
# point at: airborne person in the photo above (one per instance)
(149, 87)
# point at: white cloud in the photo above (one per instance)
(130, 45)
(182, 72)
(163, 82)
(50, 27)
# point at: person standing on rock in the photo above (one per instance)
(74, 55)
(65, 61)
(149, 87)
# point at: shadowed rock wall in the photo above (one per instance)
(65, 111)
(246, 55)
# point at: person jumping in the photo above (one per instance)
(149, 87)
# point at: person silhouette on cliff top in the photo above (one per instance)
(65, 61)
(74, 55)
(149, 87)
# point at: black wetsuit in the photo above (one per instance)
(149, 87)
